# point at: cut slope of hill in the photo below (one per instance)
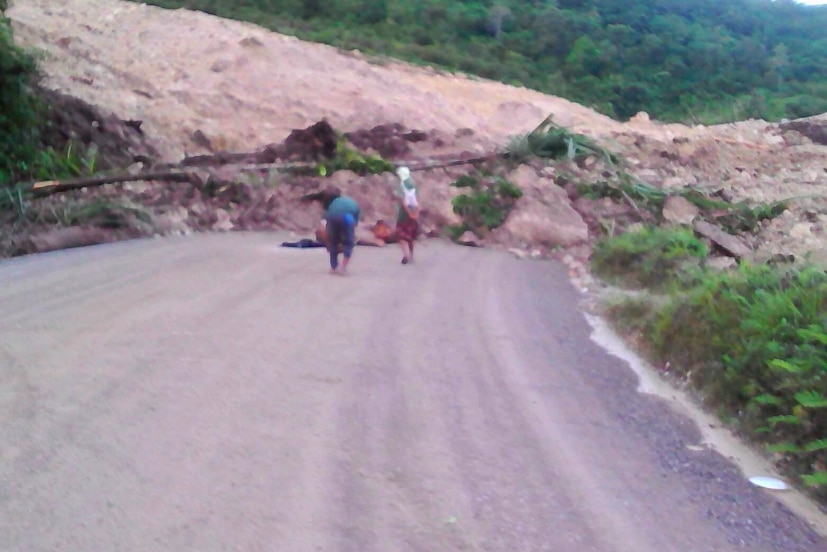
(243, 87)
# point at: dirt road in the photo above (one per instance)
(222, 393)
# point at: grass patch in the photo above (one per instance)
(486, 203)
(756, 342)
(651, 257)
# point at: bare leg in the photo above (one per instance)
(405, 251)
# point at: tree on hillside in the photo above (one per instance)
(497, 15)
(311, 8)
(778, 63)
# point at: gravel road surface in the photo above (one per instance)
(222, 393)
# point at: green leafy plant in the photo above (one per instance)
(554, 142)
(649, 257)
(486, 203)
(348, 158)
(755, 342)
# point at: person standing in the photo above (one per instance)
(341, 217)
(407, 214)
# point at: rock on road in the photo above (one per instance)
(222, 393)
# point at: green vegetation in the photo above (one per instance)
(753, 341)
(23, 117)
(486, 203)
(102, 213)
(701, 60)
(650, 257)
(552, 142)
(18, 139)
(348, 158)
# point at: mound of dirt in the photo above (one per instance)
(117, 143)
(391, 141)
(244, 87)
(206, 86)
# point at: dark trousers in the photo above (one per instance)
(339, 233)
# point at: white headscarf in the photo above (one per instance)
(408, 187)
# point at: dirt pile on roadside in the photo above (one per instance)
(201, 85)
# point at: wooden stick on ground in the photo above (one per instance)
(49, 187)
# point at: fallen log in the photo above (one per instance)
(452, 163)
(65, 238)
(727, 242)
(49, 187)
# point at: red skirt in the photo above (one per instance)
(407, 230)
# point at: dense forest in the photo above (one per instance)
(680, 60)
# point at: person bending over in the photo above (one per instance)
(342, 216)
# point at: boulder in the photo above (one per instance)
(721, 263)
(517, 252)
(544, 215)
(223, 222)
(470, 239)
(814, 129)
(679, 210)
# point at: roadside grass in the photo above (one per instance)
(650, 257)
(751, 340)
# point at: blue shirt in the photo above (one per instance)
(343, 205)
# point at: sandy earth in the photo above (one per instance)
(181, 71)
(206, 394)
(244, 87)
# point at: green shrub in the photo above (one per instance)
(487, 202)
(755, 342)
(650, 257)
(18, 108)
(348, 158)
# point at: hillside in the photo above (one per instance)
(243, 87)
(680, 60)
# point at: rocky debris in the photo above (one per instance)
(726, 242)
(721, 263)
(469, 239)
(391, 141)
(227, 196)
(109, 141)
(519, 253)
(223, 100)
(679, 210)
(543, 216)
(313, 143)
(813, 128)
(549, 223)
